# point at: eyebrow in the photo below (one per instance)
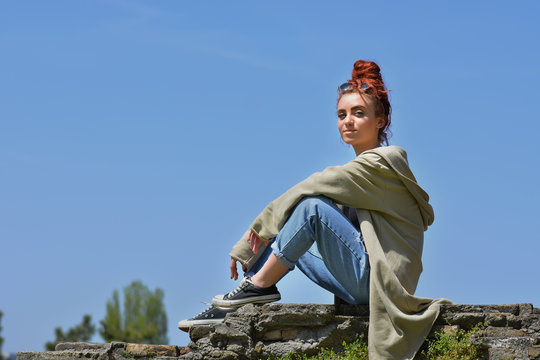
(354, 108)
(358, 107)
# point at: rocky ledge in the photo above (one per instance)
(273, 330)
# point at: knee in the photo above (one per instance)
(311, 203)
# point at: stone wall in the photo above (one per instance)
(272, 330)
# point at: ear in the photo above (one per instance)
(381, 122)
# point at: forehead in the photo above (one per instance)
(351, 100)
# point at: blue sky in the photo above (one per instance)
(139, 139)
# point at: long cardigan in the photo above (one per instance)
(393, 212)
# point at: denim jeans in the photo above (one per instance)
(324, 245)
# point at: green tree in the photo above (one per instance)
(1, 338)
(144, 320)
(81, 332)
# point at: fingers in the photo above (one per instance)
(254, 242)
(255, 246)
(234, 272)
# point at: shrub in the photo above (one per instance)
(453, 345)
(354, 351)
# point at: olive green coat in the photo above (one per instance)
(393, 211)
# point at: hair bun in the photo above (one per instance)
(366, 72)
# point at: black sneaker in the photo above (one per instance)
(247, 293)
(212, 315)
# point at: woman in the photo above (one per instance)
(355, 230)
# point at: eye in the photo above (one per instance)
(341, 116)
(358, 113)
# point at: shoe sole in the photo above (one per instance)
(218, 301)
(186, 325)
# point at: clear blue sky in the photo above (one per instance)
(139, 139)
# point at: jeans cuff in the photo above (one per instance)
(289, 265)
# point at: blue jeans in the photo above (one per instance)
(325, 246)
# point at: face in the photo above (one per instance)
(357, 122)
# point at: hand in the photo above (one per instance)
(255, 242)
(234, 272)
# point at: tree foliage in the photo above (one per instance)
(1, 338)
(81, 332)
(143, 320)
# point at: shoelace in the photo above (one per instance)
(242, 285)
(205, 311)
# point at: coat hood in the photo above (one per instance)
(396, 157)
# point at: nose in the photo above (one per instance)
(348, 119)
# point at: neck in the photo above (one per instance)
(358, 149)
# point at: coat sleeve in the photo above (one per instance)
(360, 184)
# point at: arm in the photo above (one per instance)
(360, 183)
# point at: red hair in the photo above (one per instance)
(369, 73)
